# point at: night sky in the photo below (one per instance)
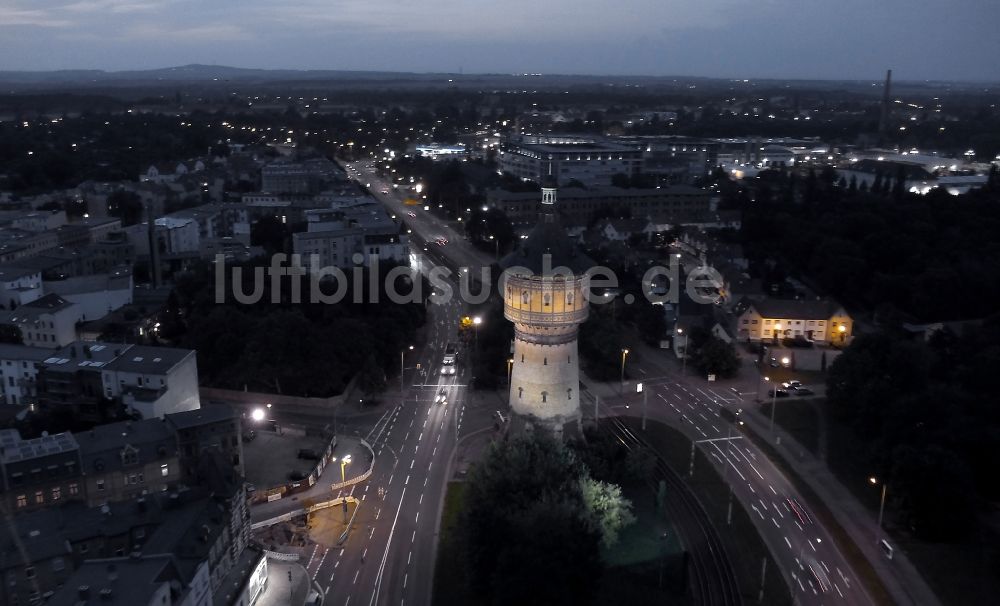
(919, 39)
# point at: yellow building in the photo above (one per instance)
(821, 320)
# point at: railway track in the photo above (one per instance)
(713, 581)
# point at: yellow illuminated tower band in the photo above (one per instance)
(544, 281)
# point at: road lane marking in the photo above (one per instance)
(385, 554)
(356, 573)
(412, 461)
(788, 542)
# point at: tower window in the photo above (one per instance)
(547, 299)
(525, 297)
(545, 361)
(545, 395)
(520, 392)
(569, 393)
(569, 359)
(522, 358)
(569, 298)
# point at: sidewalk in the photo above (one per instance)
(361, 460)
(279, 592)
(900, 577)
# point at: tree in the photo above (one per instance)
(523, 496)
(371, 378)
(125, 205)
(650, 322)
(717, 357)
(609, 509)
(936, 492)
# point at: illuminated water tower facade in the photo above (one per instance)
(544, 282)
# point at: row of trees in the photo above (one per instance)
(878, 251)
(302, 349)
(925, 416)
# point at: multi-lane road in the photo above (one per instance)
(810, 561)
(389, 556)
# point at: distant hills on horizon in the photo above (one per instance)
(209, 74)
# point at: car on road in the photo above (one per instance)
(412, 214)
(793, 384)
(385, 192)
(803, 391)
(249, 436)
(441, 397)
(796, 508)
(818, 574)
(777, 393)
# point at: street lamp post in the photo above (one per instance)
(476, 322)
(774, 400)
(729, 444)
(344, 462)
(624, 354)
(402, 369)
(881, 508)
(684, 358)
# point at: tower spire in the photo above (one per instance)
(549, 188)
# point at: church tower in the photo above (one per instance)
(544, 281)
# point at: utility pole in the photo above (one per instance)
(645, 402)
(691, 467)
(763, 573)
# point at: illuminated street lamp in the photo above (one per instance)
(257, 414)
(476, 322)
(774, 400)
(881, 507)
(510, 369)
(684, 358)
(785, 361)
(402, 369)
(344, 462)
(624, 354)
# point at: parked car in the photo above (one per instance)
(296, 475)
(793, 384)
(249, 436)
(778, 393)
(803, 391)
(308, 454)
